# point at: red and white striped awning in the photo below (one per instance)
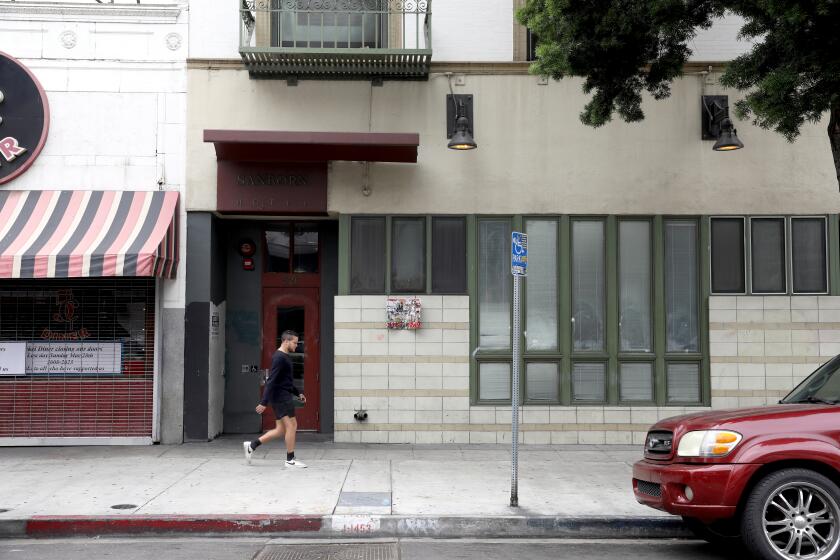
(68, 234)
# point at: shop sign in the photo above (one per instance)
(250, 187)
(60, 358)
(24, 118)
(12, 358)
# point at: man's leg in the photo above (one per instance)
(290, 425)
(276, 433)
(291, 431)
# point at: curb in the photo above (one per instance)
(347, 526)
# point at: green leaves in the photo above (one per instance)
(620, 47)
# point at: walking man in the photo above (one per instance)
(278, 393)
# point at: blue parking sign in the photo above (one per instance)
(518, 253)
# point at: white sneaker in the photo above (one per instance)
(295, 463)
(246, 445)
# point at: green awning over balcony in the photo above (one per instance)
(336, 39)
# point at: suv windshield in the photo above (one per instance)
(821, 386)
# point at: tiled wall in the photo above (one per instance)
(761, 347)
(415, 386)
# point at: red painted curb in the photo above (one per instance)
(48, 525)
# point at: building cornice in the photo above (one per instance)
(106, 13)
(474, 68)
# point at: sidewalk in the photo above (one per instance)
(348, 490)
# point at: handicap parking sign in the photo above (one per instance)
(519, 253)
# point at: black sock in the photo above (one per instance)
(254, 444)
(290, 456)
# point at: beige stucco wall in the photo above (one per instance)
(534, 155)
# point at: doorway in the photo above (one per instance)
(295, 309)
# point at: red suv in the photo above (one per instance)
(768, 475)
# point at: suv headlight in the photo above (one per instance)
(708, 443)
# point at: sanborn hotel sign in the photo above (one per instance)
(24, 118)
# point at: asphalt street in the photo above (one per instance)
(406, 549)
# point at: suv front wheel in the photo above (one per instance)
(793, 514)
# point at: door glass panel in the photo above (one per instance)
(293, 319)
(306, 248)
(278, 245)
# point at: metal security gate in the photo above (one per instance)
(77, 358)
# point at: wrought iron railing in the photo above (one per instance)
(336, 24)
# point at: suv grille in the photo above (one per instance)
(649, 488)
(659, 444)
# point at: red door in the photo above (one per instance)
(295, 309)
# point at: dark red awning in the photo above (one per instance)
(282, 146)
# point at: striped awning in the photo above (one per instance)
(70, 234)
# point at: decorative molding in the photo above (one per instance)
(56, 11)
(173, 41)
(68, 39)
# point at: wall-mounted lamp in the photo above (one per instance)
(716, 125)
(459, 119)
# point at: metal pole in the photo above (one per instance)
(517, 335)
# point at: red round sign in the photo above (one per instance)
(24, 118)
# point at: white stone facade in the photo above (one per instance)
(115, 79)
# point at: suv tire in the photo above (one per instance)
(793, 513)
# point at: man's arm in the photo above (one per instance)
(272, 380)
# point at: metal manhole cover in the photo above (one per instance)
(375, 551)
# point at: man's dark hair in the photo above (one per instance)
(288, 335)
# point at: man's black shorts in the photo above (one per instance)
(283, 408)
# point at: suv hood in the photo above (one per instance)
(729, 418)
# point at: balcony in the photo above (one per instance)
(336, 39)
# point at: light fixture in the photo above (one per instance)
(716, 125)
(459, 128)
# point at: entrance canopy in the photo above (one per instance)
(66, 234)
(281, 146)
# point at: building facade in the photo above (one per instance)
(663, 277)
(93, 112)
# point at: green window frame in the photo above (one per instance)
(565, 357)
(831, 264)
(387, 259)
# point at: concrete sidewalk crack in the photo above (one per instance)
(343, 482)
(159, 494)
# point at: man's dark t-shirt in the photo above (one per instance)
(279, 387)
